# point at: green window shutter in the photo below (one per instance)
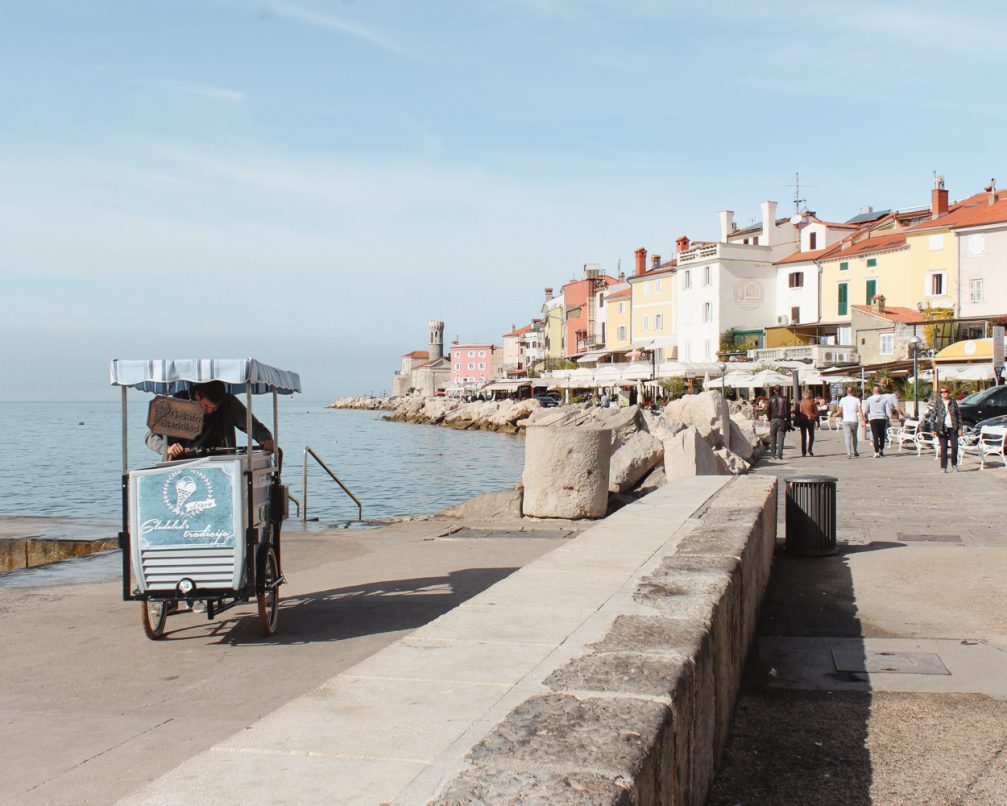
(843, 309)
(872, 262)
(872, 289)
(844, 266)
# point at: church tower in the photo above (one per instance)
(436, 340)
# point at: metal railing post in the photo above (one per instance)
(304, 486)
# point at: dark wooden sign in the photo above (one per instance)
(172, 417)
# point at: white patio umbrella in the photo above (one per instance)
(767, 378)
(736, 378)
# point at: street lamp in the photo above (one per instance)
(915, 343)
(723, 379)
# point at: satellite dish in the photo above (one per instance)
(796, 218)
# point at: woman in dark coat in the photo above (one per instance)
(947, 423)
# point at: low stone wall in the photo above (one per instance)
(28, 552)
(603, 672)
(642, 716)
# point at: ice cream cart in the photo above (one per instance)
(202, 531)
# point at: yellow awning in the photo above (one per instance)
(968, 350)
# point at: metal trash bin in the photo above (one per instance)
(811, 515)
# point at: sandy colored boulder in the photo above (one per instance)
(707, 411)
(489, 507)
(633, 460)
(566, 472)
(687, 454)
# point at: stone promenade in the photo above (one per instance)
(916, 597)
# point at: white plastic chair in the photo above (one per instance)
(992, 442)
(904, 434)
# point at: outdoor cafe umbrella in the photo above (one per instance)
(766, 379)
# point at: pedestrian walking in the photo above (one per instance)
(852, 415)
(947, 422)
(806, 417)
(778, 412)
(878, 411)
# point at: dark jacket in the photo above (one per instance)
(218, 428)
(779, 408)
(937, 414)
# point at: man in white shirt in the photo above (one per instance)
(852, 415)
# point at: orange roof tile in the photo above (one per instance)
(881, 243)
(417, 354)
(519, 331)
(615, 294)
(894, 314)
(971, 212)
(813, 254)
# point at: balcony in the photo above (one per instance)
(722, 251)
(820, 355)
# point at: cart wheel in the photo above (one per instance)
(154, 615)
(269, 598)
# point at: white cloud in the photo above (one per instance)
(329, 22)
(206, 91)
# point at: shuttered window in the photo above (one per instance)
(872, 289)
(843, 302)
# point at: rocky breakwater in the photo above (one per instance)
(505, 416)
(362, 403)
(697, 435)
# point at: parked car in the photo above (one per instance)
(548, 399)
(1001, 420)
(982, 405)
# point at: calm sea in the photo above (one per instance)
(63, 459)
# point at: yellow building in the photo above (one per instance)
(654, 299)
(552, 328)
(618, 318)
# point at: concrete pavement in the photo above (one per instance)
(880, 674)
(90, 709)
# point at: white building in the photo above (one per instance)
(730, 283)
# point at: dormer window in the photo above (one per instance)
(812, 240)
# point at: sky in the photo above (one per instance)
(309, 182)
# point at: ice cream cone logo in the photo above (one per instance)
(188, 492)
(184, 488)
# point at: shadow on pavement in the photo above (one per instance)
(342, 613)
(794, 741)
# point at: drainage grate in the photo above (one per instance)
(929, 538)
(854, 660)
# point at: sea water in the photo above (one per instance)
(64, 459)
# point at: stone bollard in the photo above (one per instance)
(566, 471)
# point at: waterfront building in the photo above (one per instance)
(473, 365)
(553, 317)
(424, 371)
(730, 284)
(619, 318)
(515, 347)
(581, 330)
(882, 333)
(654, 299)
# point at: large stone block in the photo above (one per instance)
(707, 411)
(688, 454)
(743, 439)
(633, 459)
(482, 784)
(566, 472)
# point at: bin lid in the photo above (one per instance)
(808, 479)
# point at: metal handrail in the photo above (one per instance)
(333, 476)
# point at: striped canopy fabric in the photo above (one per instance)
(167, 376)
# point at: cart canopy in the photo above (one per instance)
(168, 376)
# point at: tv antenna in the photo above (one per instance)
(798, 201)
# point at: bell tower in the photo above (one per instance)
(436, 340)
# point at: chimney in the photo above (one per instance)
(622, 276)
(768, 223)
(681, 244)
(878, 303)
(938, 199)
(655, 261)
(548, 294)
(726, 224)
(641, 261)
(991, 192)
